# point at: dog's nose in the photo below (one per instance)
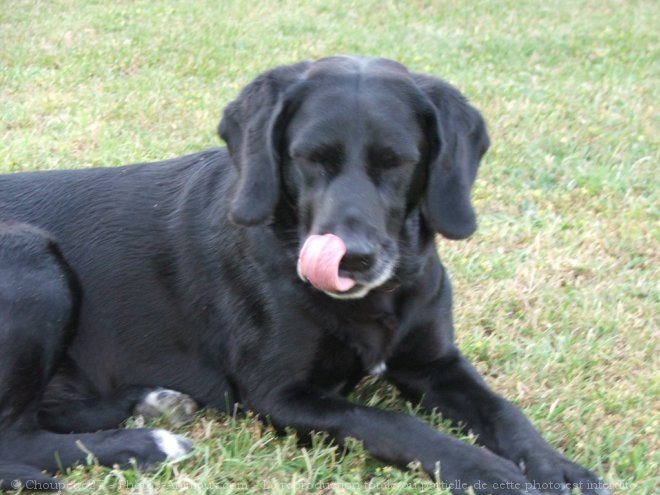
(357, 260)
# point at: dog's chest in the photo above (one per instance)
(356, 341)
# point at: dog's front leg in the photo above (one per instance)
(451, 385)
(396, 438)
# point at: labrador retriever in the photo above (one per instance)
(276, 273)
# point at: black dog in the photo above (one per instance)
(151, 286)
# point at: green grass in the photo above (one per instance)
(556, 295)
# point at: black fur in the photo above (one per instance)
(175, 295)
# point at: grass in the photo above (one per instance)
(556, 295)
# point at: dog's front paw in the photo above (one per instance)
(172, 446)
(552, 473)
(177, 408)
(484, 472)
(144, 447)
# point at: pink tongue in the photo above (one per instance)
(319, 263)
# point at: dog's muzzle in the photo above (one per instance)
(325, 263)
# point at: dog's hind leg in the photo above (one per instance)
(67, 412)
(38, 308)
(37, 315)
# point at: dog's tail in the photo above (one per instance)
(15, 476)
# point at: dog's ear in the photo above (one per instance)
(458, 139)
(252, 126)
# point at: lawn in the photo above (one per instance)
(557, 293)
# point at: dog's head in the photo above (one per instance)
(359, 146)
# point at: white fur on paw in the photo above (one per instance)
(173, 446)
(378, 369)
(177, 407)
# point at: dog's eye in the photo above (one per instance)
(309, 163)
(312, 169)
(395, 164)
(387, 159)
(391, 163)
(318, 166)
(328, 157)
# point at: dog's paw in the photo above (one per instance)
(553, 474)
(172, 446)
(484, 473)
(145, 448)
(177, 408)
